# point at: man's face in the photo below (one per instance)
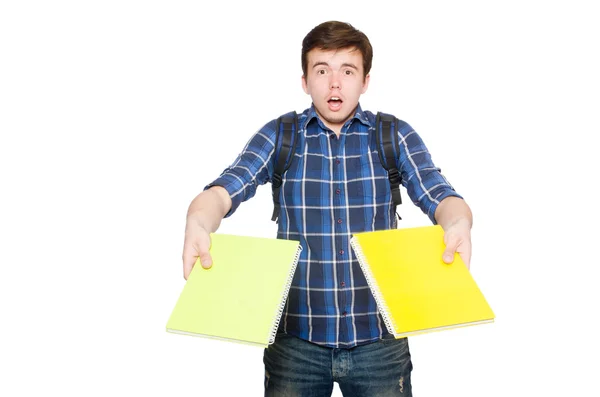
(334, 80)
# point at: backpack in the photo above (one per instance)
(287, 133)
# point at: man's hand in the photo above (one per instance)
(203, 217)
(196, 245)
(454, 215)
(457, 238)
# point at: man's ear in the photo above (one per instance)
(366, 83)
(304, 85)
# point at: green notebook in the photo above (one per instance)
(242, 296)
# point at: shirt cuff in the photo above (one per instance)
(226, 183)
(434, 204)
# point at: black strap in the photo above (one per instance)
(287, 129)
(387, 142)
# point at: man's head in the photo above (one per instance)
(334, 35)
(336, 60)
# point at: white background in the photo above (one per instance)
(115, 114)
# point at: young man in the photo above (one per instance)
(331, 330)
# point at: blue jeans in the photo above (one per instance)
(294, 367)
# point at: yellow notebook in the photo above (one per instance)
(242, 296)
(415, 290)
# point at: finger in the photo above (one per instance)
(451, 247)
(190, 256)
(466, 257)
(448, 255)
(195, 252)
(205, 260)
(189, 261)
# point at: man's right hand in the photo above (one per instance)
(196, 246)
(203, 217)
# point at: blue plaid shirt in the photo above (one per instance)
(334, 187)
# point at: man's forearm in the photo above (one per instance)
(209, 208)
(452, 210)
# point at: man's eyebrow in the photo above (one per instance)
(349, 65)
(323, 63)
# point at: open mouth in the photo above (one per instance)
(335, 103)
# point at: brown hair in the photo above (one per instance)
(334, 35)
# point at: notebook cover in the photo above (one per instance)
(415, 290)
(242, 296)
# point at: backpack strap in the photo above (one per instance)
(286, 133)
(387, 141)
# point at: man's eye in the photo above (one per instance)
(321, 71)
(349, 72)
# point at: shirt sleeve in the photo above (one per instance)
(424, 182)
(252, 168)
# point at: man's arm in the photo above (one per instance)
(455, 217)
(203, 217)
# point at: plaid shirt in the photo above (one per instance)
(334, 187)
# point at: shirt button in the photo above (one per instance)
(337, 161)
(344, 314)
(337, 191)
(343, 284)
(332, 136)
(339, 221)
(341, 252)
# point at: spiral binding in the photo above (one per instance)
(383, 309)
(285, 292)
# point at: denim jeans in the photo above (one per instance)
(294, 367)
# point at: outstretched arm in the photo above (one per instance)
(220, 198)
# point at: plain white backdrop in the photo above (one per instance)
(115, 114)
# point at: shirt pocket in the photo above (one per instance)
(306, 182)
(366, 178)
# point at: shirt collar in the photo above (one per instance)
(358, 115)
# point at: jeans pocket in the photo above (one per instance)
(391, 340)
(388, 338)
